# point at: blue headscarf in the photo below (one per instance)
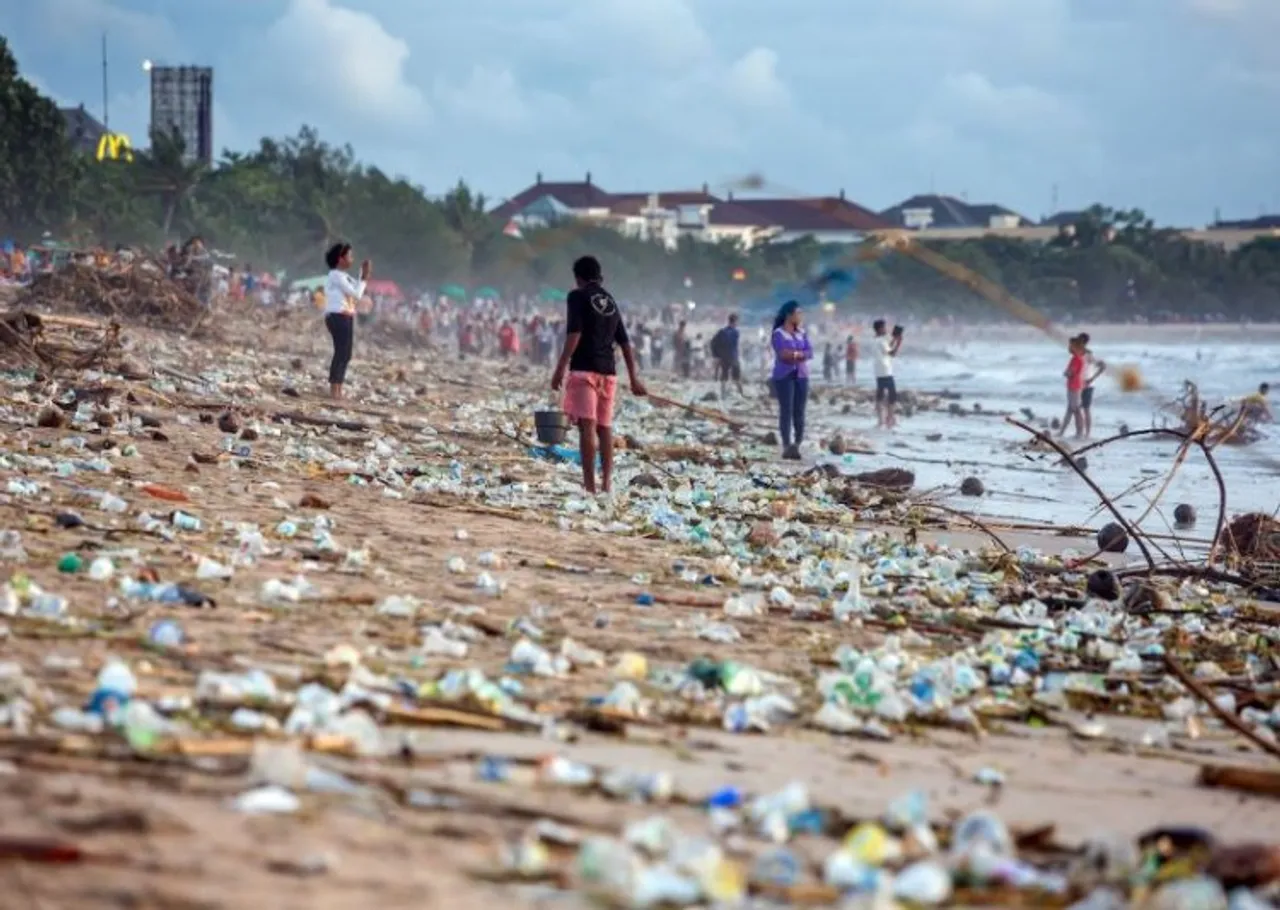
(787, 309)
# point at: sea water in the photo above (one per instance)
(1009, 375)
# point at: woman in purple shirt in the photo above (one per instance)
(791, 355)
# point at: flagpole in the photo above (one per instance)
(106, 113)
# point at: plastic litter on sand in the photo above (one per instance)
(394, 649)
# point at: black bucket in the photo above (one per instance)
(552, 426)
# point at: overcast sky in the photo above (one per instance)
(1172, 106)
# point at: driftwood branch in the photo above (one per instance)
(1134, 533)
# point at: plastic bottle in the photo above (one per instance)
(165, 634)
(435, 642)
(116, 676)
(850, 605)
(777, 867)
(109, 502)
(159, 592)
(566, 773)
(208, 568)
(184, 521)
(101, 569)
(47, 605)
(115, 687)
(725, 798)
(493, 769)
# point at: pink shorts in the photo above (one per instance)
(589, 396)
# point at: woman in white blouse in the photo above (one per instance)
(341, 294)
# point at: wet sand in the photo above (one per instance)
(171, 838)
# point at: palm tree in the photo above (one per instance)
(464, 212)
(164, 171)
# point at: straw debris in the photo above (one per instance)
(136, 293)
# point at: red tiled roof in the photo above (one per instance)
(632, 203)
(824, 213)
(734, 214)
(827, 213)
(580, 195)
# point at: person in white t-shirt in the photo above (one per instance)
(884, 348)
(341, 295)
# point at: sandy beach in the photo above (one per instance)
(161, 827)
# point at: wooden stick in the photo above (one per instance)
(1223, 714)
(1245, 780)
(445, 717)
(298, 417)
(718, 416)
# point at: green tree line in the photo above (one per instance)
(278, 206)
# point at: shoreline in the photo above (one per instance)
(554, 563)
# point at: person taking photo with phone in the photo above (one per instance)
(884, 349)
(342, 293)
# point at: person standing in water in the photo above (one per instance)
(1093, 369)
(885, 348)
(851, 361)
(792, 353)
(592, 329)
(1075, 374)
(341, 295)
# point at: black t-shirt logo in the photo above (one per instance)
(603, 304)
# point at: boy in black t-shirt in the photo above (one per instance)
(592, 328)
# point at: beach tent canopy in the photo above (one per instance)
(550, 295)
(454, 291)
(487, 291)
(50, 243)
(309, 284)
(385, 287)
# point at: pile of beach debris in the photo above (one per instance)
(138, 292)
(1253, 536)
(51, 343)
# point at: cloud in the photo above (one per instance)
(69, 19)
(972, 99)
(1223, 9)
(753, 80)
(341, 58)
(662, 34)
(1163, 104)
(493, 96)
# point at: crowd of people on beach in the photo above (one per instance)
(660, 337)
(594, 329)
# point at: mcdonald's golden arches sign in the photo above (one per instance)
(115, 147)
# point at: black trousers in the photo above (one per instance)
(342, 329)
